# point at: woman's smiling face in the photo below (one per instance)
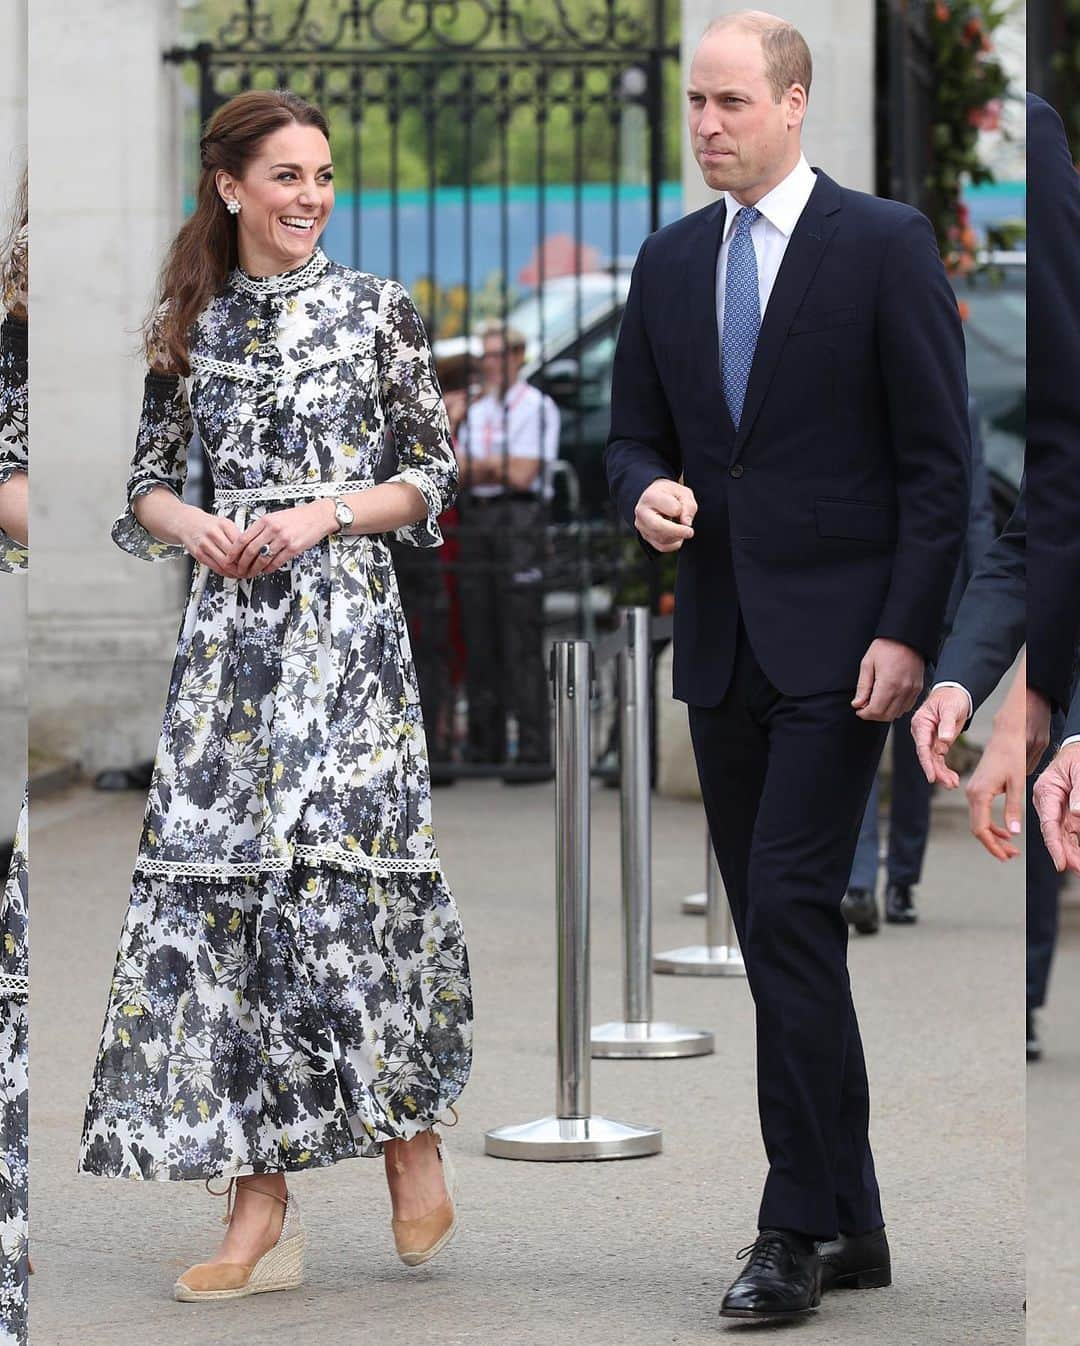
(286, 196)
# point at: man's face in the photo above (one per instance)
(501, 366)
(744, 142)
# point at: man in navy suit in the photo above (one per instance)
(789, 412)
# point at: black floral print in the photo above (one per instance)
(292, 985)
(14, 1099)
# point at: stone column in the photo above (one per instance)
(838, 134)
(105, 200)
(12, 587)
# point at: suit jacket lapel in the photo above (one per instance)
(809, 239)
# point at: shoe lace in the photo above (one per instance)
(766, 1253)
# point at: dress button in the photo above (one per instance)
(736, 471)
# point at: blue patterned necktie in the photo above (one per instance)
(742, 313)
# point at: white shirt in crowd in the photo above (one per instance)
(531, 420)
(780, 210)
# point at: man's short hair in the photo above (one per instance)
(512, 338)
(787, 56)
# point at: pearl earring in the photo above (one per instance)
(233, 207)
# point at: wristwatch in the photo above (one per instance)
(343, 514)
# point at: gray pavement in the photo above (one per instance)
(1053, 1095)
(631, 1253)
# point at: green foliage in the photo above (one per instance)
(968, 82)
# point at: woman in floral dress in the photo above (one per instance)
(292, 983)
(14, 959)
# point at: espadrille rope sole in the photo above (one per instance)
(282, 1268)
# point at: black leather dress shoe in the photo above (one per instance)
(899, 908)
(856, 1262)
(859, 906)
(1034, 1046)
(782, 1278)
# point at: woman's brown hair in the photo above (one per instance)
(13, 252)
(204, 250)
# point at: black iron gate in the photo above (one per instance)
(502, 159)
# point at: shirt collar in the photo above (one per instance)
(783, 205)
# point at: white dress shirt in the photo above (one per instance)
(531, 421)
(780, 210)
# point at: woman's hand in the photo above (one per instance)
(209, 538)
(287, 532)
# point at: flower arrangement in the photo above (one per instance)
(969, 85)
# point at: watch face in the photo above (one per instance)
(344, 513)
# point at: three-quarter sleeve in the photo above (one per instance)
(14, 423)
(413, 406)
(160, 459)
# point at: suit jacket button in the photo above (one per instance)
(736, 471)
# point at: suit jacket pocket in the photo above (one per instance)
(821, 320)
(860, 520)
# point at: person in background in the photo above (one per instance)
(506, 443)
(909, 804)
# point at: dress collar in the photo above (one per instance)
(285, 282)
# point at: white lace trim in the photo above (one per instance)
(203, 364)
(286, 281)
(362, 347)
(293, 490)
(337, 856)
(13, 986)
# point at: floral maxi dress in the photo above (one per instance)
(292, 983)
(14, 896)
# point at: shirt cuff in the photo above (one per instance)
(1073, 738)
(960, 685)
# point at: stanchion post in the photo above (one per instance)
(573, 1133)
(638, 1035)
(720, 955)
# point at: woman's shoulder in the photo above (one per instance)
(364, 285)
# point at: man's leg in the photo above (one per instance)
(909, 812)
(483, 671)
(1043, 900)
(864, 870)
(528, 694)
(785, 784)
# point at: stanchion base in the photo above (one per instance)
(694, 905)
(562, 1138)
(702, 960)
(637, 1040)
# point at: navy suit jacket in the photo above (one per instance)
(990, 622)
(836, 512)
(1053, 405)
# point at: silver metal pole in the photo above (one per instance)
(719, 956)
(637, 1036)
(573, 1133)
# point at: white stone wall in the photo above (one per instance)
(838, 134)
(105, 199)
(12, 587)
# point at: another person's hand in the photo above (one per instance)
(1037, 722)
(15, 506)
(1001, 771)
(935, 727)
(287, 533)
(664, 514)
(890, 680)
(1057, 802)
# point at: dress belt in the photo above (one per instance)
(293, 490)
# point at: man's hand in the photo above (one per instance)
(890, 680)
(1057, 802)
(1037, 721)
(935, 727)
(664, 513)
(1001, 770)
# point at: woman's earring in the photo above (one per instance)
(233, 206)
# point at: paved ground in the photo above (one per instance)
(632, 1253)
(1053, 1095)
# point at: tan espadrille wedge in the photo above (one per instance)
(280, 1267)
(419, 1240)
